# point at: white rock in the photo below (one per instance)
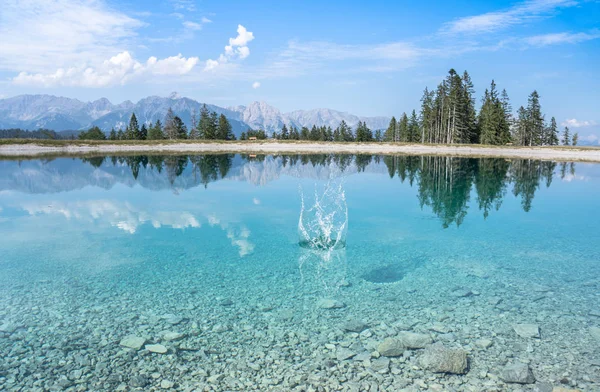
(134, 342)
(527, 330)
(156, 348)
(595, 332)
(171, 336)
(165, 384)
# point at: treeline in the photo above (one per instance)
(17, 133)
(207, 126)
(343, 133)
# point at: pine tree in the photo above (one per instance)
(170, 129)
(113, 134)
(390, 132)
(402, 134)
(413, 128)
(363, 133)
(143, 132)
(427, 116)
(213, 125)
(535, 120)
(566, 137)
(224, 130)
(552, 133)
(470, 132)
(180, 128)
(120, 135)
(204, 123)
(575, 138)
(284, 133)
(133, 129)
(155, 132)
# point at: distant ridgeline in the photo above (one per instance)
(444, 184)
(447, 115)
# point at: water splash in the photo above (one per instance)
(324, 225)
(322, 230)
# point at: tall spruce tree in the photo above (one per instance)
(552, 133)
(566, 140)
(575, 138)
(224, 129)
(403, 132)
(155, 132)
(133, 129)
(390, 132)
(180, 128)
(413, 128)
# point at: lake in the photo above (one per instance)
(306, 273)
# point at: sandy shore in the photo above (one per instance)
(548, 153)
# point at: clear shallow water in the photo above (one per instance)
(460, 250)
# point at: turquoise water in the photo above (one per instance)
(287, 273)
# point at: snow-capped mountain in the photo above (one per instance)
(60, 114)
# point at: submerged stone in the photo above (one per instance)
(134, 342)
(527, 330)
(440, 359)
(517, 373)
(414, 340)
(354, 326)
(156, 348)
(388, 274)
(391, 347)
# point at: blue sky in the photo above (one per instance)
(368, 58)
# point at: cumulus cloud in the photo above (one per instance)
(255, 85)
(60, 33)
(117, 70)
(237, 48)
(574, 123)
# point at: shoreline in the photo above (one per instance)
(35, 149)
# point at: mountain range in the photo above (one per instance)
(66, 114)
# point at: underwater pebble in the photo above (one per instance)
(527, 330)
(517, 373)
(134, 342)
(330, 304)
(440, 359)
(156, 348)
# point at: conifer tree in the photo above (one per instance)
(363, 133)
(155, 132)
(224, 130)
(120, 135)
(566, 137)
(390, 132)
(204, 126)
(552, 133)
(413, 128)
(113, 134)
(133, 129)
(180, 128)
(402, 134)
(143, 132)
(575, 138)
(284, 133)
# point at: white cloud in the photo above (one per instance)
(254, 200)
(192, 25)
(119, 69)
(237, 48)
(255, 85)
(39, 33)
(497, 20)
(561, 38)
(206, 20)
(574, 123)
